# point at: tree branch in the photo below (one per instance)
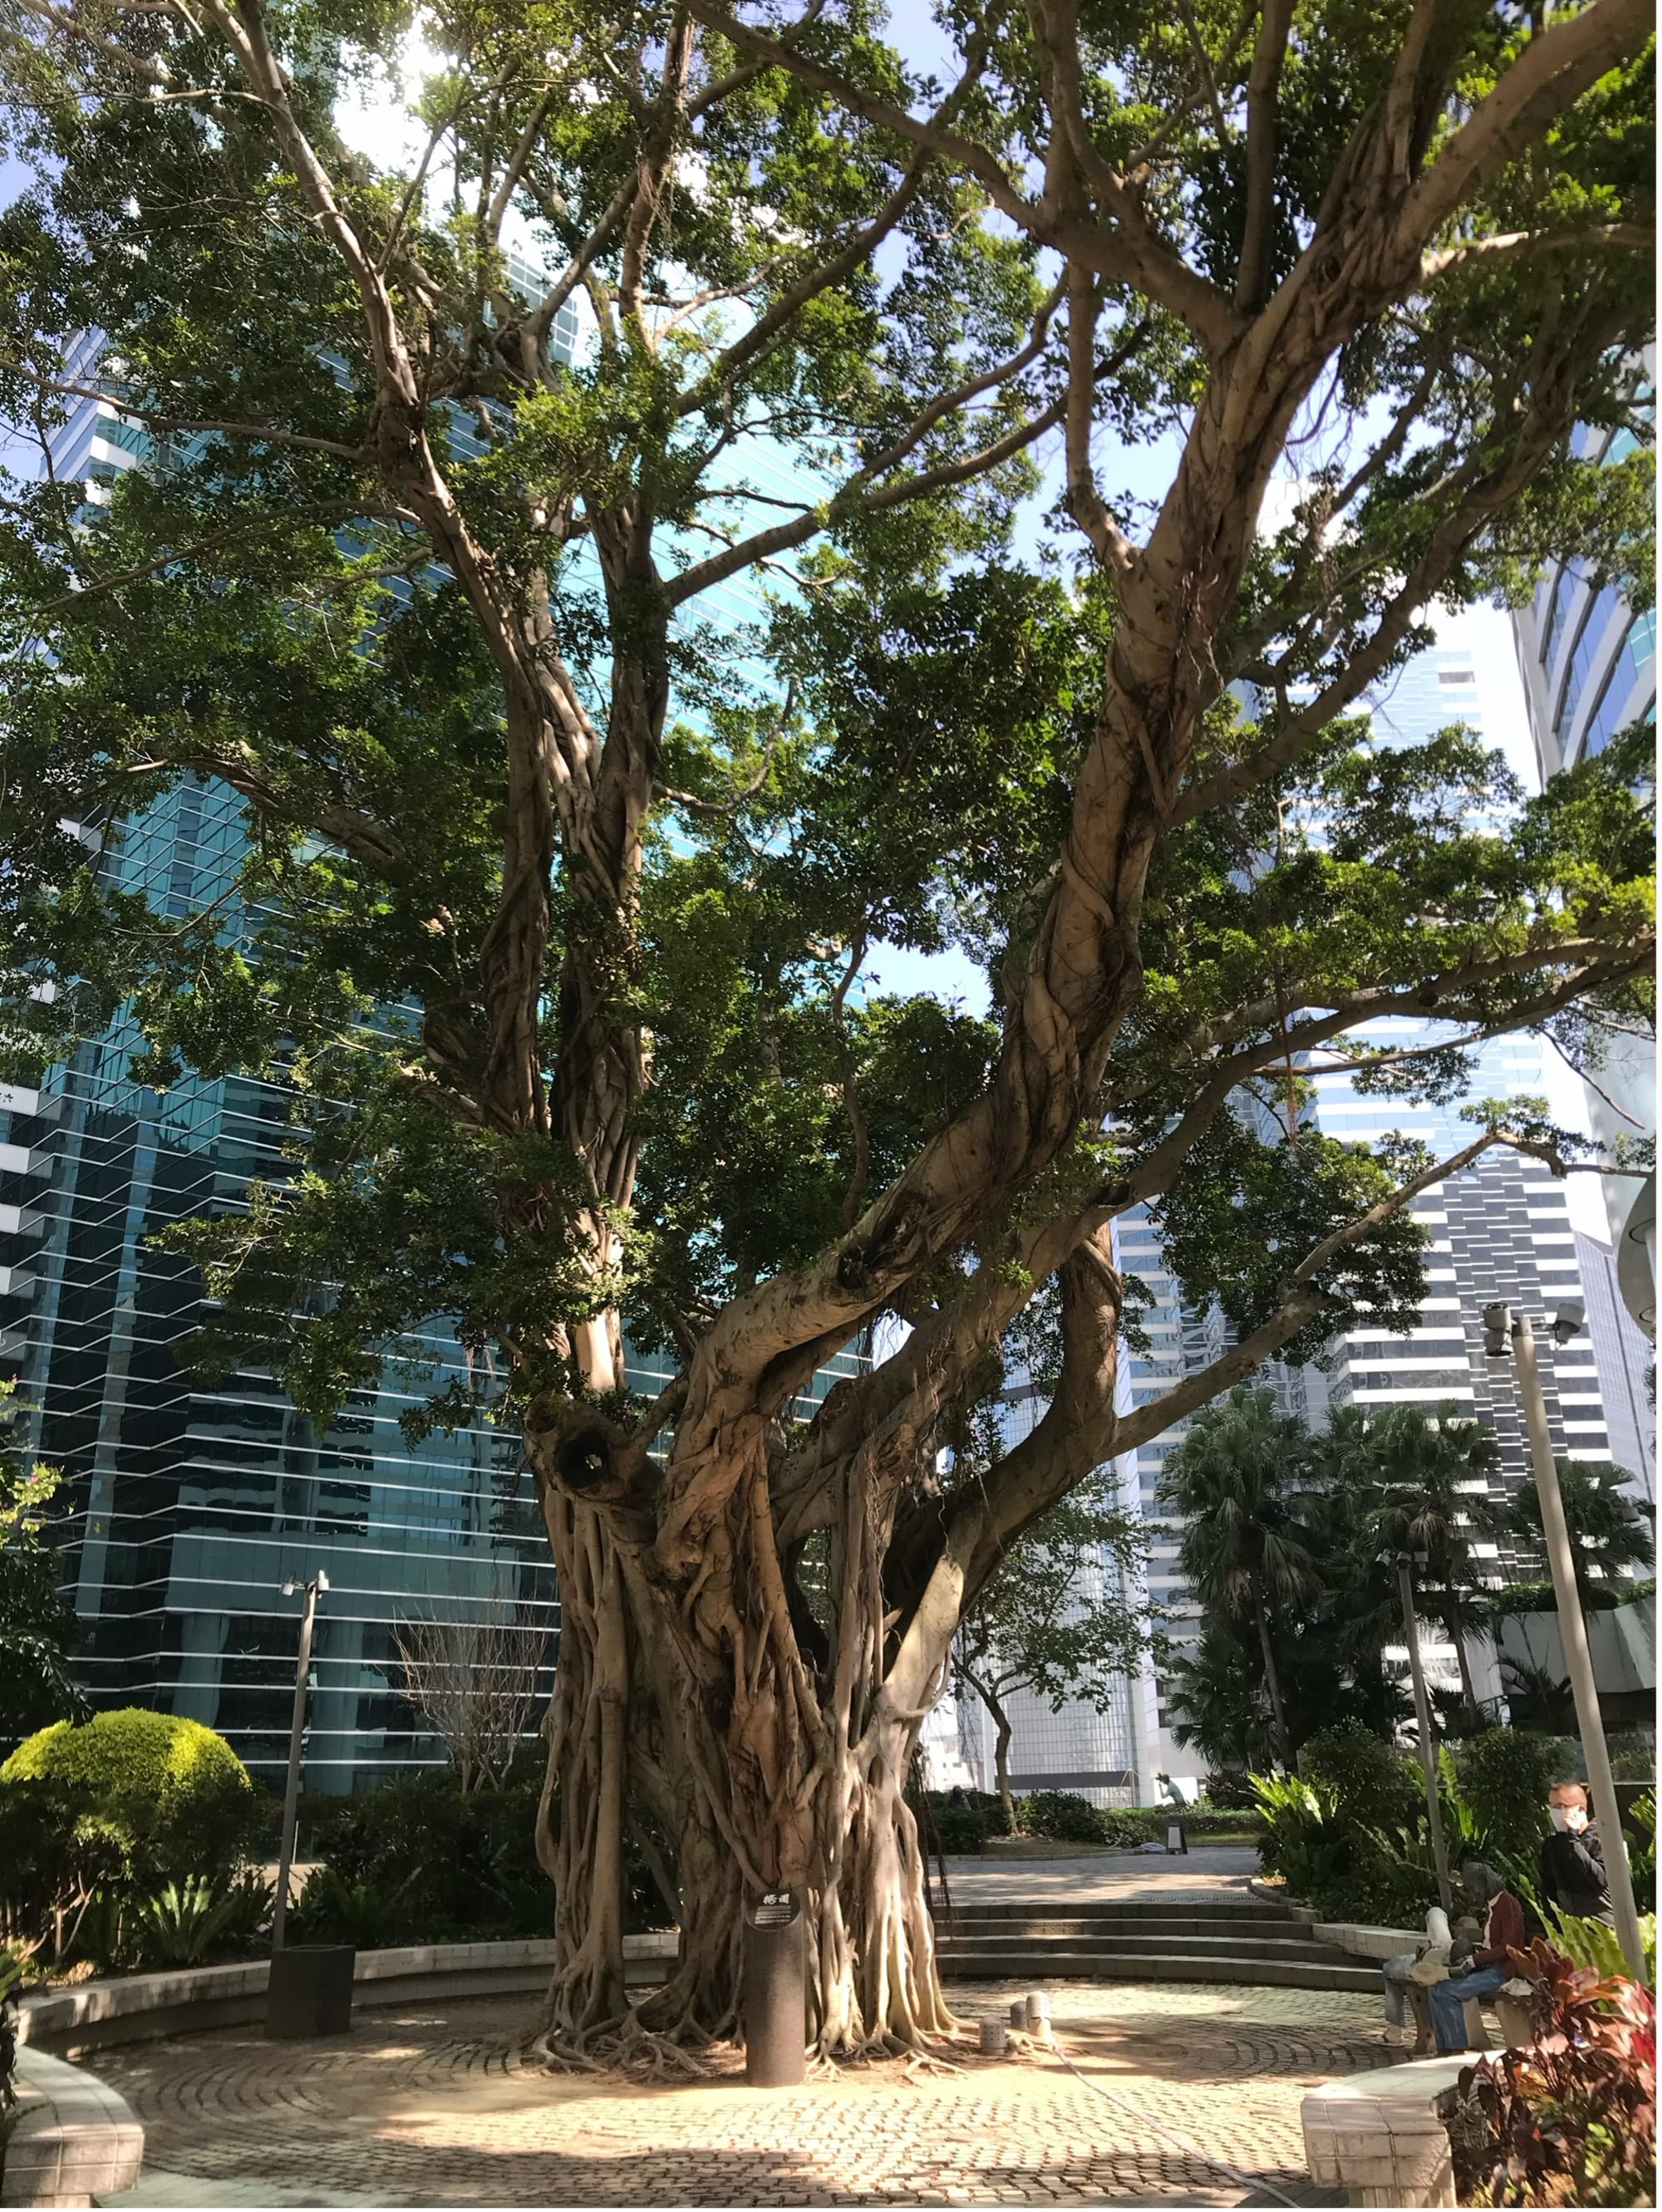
(1477, 255)
(1554, 69)
(1263, 88)
(1118, 253)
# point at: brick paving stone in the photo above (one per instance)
(439, 2105)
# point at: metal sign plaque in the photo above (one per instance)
(776, 1908)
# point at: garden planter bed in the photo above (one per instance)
(193, 2000)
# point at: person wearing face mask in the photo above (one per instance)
(1573, 1858)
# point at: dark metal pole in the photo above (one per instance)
(1428, 1746)
(1573, 1627)
(291, 1787)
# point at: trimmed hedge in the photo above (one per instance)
(962, 1820)
(171, 1796)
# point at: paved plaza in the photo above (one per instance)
(441, 2106)
(1208, 1876)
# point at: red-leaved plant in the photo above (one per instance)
(1571, 2118)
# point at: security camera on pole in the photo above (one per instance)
(1505, 1330)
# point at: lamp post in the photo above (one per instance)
(1428, 1746)
(315, 1588)
(1504, 1329)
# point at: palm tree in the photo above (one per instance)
(1608, 1530)
(1429, 1472)
(1217, 1699)
(1236, 1479)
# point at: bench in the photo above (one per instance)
(1377, 2138)
(72, 2140)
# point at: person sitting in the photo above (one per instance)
(1489, 1964)
(1573, 1858)
(1403, 1988)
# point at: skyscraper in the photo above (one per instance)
(1588, 663)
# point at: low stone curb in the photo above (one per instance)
(189, 2000)
(72, 2139)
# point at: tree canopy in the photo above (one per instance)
(606, 558)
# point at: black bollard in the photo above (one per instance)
(776, 1991)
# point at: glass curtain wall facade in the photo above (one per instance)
(1588, 663)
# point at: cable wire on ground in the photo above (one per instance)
(1249, 2182)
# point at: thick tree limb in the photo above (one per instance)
(1262, 87)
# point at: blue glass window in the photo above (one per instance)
(1563, 595)
(1638, 653)
(1589, 639)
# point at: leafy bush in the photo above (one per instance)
(1504, 1776)
(1640, 1829)
(1368, 1781)
(955, 1824)
(58, 1861)
(1060, 1815)
(11, 1977)
(1333, 1860)
(171, 1796)
(1227, 1791)
(1303, 1841)
(445, 1865)
(1587, 1942)
(369, 1914)
(189, 1923)
(1571, 2118)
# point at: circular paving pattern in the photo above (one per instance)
(440, 2105)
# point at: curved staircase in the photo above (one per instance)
(1160, 1939)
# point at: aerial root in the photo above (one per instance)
(629, 2048)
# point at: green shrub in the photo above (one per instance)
(1640, 1827)
(1060, 1815)
(1303, 1841)
(1227, 1791)
(367, 1913)
(192, 1923)
(954, 1824)
(1504, 1776)
(171, 1796)
(1586, 1943)
(445, 1865)
(1367, 1780)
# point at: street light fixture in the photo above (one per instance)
(1504, 1329)
(314, 1590)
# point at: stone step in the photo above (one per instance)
(1039, 1965)
(1131, 1946)
(1113, 1916)
(1126, 1908)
